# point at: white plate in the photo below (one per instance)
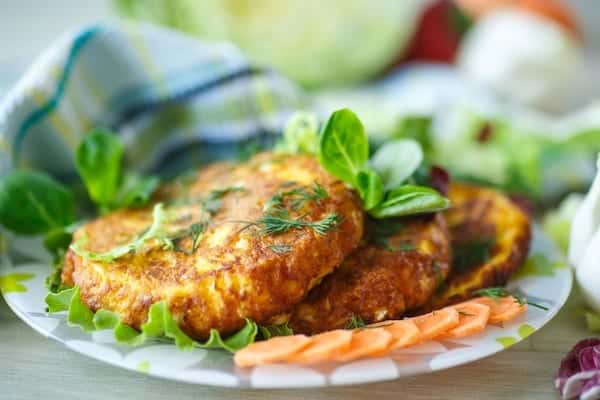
(545, 279)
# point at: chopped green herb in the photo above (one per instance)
(470, 254)
(282, 248)
(270, 331)
(355, 322)
(213, 202)
(157, 231)
(280, 221)
(498, 292)
(297, 197)
(194, 232)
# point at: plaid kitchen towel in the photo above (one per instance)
(173, 99)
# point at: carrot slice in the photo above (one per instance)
(436, 323)
(404, 333)
(473, 318)
(270, 351)
(366, 342)
(502, 309)
(323, 347)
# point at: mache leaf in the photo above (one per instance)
(98, 161)
(410, 200)
(343, 146)
(370, 188)
(396, 161)
(32, 202)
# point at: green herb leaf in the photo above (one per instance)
(355, 322)
(98, 161)
(410, 200)
(282, 248)
(280, 221)
(157, 231)
(370, 188)
(396, 161)
(343, 146)
(300, 135)
(297, 197)
(267, 332)
(32, 203)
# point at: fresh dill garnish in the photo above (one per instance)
(269, 331)
(355, 322)
(213, 202)
(280, 221)
(297, 197)
(496, 293)
(472, 253)
(282, 248)
(157, 231)
(194, 232)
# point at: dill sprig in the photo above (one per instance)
(194, 231)
(213, 202)
(280, 221)
(355, 322)
(281, 248)
(496, 293)
(297, 197)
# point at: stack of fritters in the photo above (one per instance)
(330, 264)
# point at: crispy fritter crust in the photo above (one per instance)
(479, 213)
(377, 284)
(233, 274)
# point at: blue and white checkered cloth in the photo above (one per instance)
(170, 97)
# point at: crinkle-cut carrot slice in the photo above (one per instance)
(366, 342)
(323, 347)
(473, 318)
(436, 323)
(502, 309)
(270, 351)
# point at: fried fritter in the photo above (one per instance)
(382, 279)
(232, 270)
(490, 240)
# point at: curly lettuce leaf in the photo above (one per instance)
(160, 324)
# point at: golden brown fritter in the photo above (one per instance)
(382, 279)
(233, 273)
(482, 221)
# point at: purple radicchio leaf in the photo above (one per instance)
(591, 388)
(589, 358)
(579, 370)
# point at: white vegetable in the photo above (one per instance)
(522, 57)
(585, 223)
(584, 246)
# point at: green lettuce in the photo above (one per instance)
(160, 324)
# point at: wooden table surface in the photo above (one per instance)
(32, 366)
